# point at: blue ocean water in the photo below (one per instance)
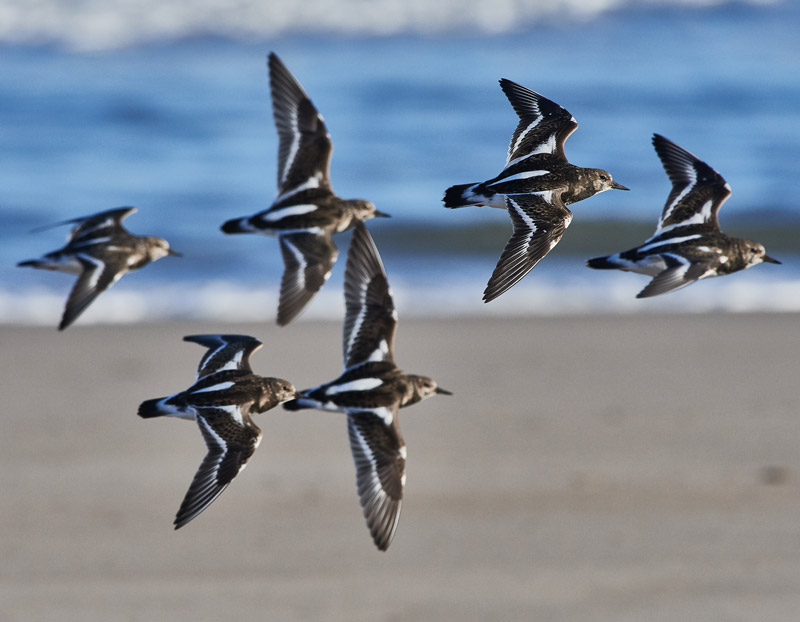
(171, 113)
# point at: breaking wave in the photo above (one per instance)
(109, 24)
(551, 290)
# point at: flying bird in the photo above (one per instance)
(224, 396)
(371, 389)
(100, 251)
(305, 213)
(688, 244)
(536, 185)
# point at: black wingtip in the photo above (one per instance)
(489, 296)
(505, 84)
(180, 521)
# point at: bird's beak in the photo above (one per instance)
(176, 253)
(379, 214)
(441, 391)
(769, 259)
(617, 186)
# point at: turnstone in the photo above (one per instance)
(305, 212)
(688, 244)
(224, 395)
(536, 161)
(100, 251)
(535, 186)
(371, 389)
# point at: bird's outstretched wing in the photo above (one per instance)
(224, 352)
(539, 221)
(231, 438)
(370, 316)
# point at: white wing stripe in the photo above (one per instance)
(525, 132)
(362, 384)
(686, 190)
(311, 182)
(97, 272)
(234, 411)
(668, 241)
(380, 352)
(527, 219)
(90, 242)
(291, 210)
(359, 321)
(521, 175)
(298, 257)
(309, 230)
(217, 438)
(548, 146)
(295, 145)
(216, 387)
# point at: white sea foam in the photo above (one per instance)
(549, 290)
(106, 24)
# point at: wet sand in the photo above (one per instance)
(627, 468)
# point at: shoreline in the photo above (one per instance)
(586, 468)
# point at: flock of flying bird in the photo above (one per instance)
(535, 187)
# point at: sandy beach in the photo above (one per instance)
(626, 468)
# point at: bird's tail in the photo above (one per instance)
(293, 405)
(33, 263)
(459, 196)
(238, 225)
(301, 402)
(601, 263)
(150, 409)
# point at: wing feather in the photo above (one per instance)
(370, 315)
(379, 454)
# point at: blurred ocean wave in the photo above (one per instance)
(165, 106)
(423, 286)
(110, 24)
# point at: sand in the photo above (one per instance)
(628, 468)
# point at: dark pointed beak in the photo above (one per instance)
(441, 391)
(381, 214)
(769, 259)
(617, 186)
(176, 253)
